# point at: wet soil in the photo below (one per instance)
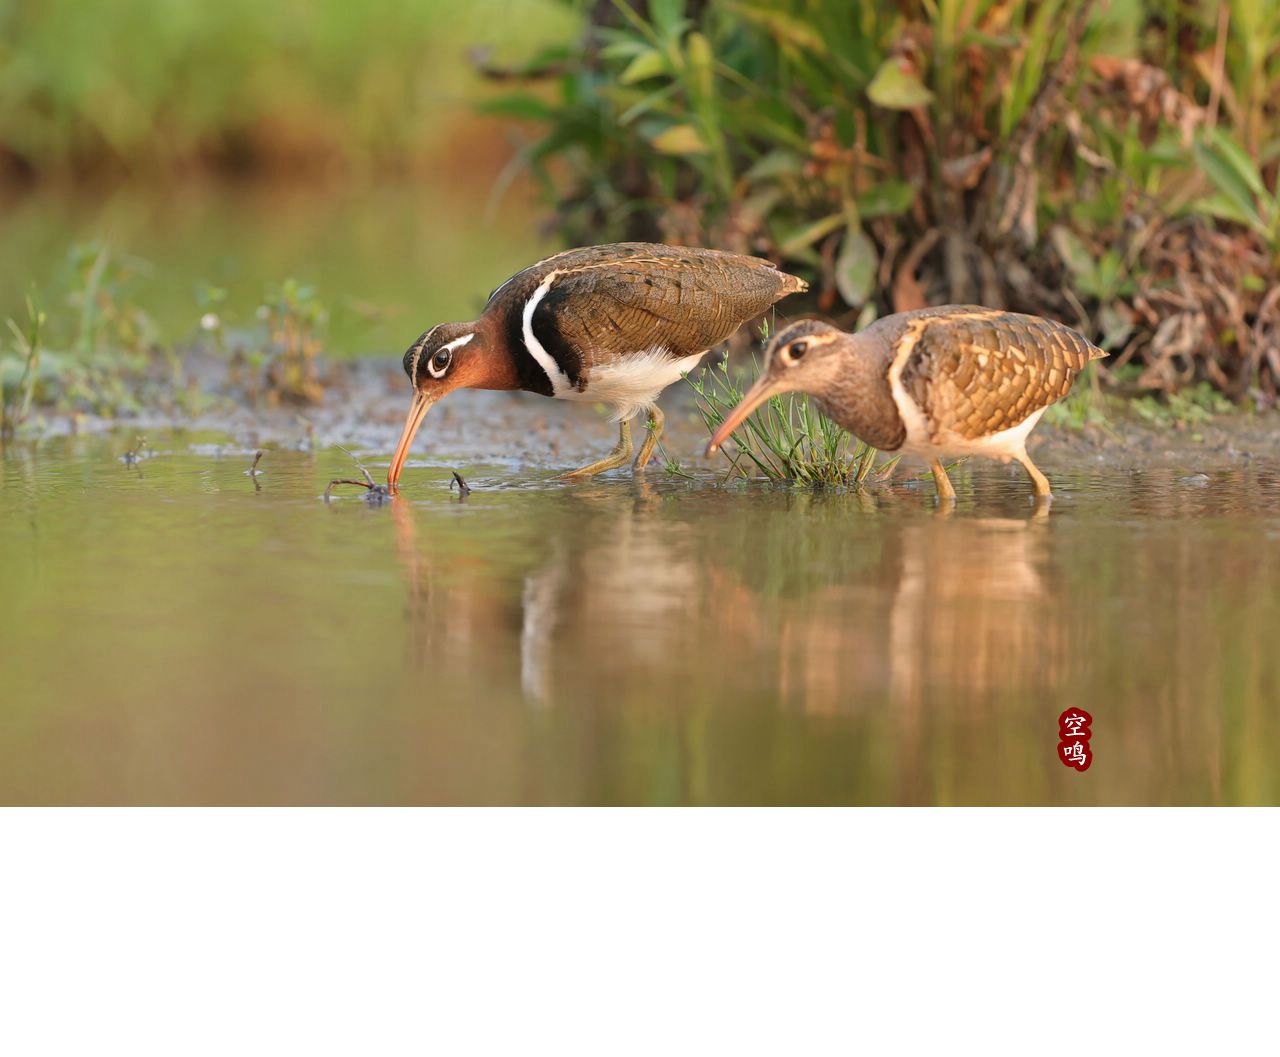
(366, 401)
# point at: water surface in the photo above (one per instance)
(175, 632)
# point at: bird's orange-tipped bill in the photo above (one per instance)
(417, 412)
(756, 395)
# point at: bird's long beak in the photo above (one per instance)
(417, 412)
(764, 388)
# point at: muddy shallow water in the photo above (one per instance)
(175, 631)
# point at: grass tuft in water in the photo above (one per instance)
(787, 438)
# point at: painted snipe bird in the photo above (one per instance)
(611, 324)
(956, 380)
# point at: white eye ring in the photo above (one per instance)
(438, 372)
(457, 343)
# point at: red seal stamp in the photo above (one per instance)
(1073, 738)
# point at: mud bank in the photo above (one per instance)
(366, 401)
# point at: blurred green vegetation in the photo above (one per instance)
(1110, 164)
(96, 352)
(100, 352)
(161, 85)
(373, 265)
(118, 122)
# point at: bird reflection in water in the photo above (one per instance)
(621, 590)
(456, 607)
(621, 597)
(604, 597)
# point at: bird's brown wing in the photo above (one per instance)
(977, 371)
(614, 305)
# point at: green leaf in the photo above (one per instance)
(646, 103)
(527, 107)
(1235, 156)
(762, 202)
(668, 16)
(888, 199)
(700, 59)
(856, 267)
(679, 139)
(774, 164)
(626, 48)
(809, 234)
(896, 88)
(1223, 207)
(643, 66)
(1116, 325)
(786, 29)
(1074, 253)
(1225, 173)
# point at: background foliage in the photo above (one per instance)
(1109, 163)
(165, 86)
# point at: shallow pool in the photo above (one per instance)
(174, 630)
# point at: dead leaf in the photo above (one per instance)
(965, 173)
(907, 291)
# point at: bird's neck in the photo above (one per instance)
(494, 360)
(859, 396)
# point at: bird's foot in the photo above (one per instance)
(653, 424)
(620, 456)
(591, 469)
(946, 491)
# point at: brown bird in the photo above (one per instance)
(957, 380)
(611, 324)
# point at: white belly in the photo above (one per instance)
(1003, 445)
(634, 383)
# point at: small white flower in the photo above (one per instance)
(264, 312)
(210, 321)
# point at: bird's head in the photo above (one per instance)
(447, 357)
(801, 357)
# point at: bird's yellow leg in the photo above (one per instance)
(654, 425)
(946, 493)
(1038, 480)
(620, 456)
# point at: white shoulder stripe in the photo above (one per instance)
(559, 380)
(908, 410)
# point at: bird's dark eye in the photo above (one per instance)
(440, 362)
(798, 349)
